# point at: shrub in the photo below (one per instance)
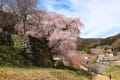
(59, 64)
(10, 56)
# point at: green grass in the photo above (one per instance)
(93, 63)
(10, 56)
(114, 71)
(7, 73)
(18, 41)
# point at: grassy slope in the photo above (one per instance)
(114, 71)
(10, 56)
(40, 74)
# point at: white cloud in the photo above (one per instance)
(100, 17)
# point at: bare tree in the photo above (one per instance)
(22, 8)
(2, 4)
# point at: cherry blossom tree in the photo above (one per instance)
(62, 34)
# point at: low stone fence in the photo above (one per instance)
(100, 68)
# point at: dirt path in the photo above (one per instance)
(100, 77)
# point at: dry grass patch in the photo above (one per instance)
(40, 74)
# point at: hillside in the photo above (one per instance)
(42, 74)
(112, 41)
(116, 44)
(86, 43)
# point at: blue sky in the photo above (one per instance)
(101, 18)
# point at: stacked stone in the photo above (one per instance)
(26, 44)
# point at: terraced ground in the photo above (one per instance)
(41, 74)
